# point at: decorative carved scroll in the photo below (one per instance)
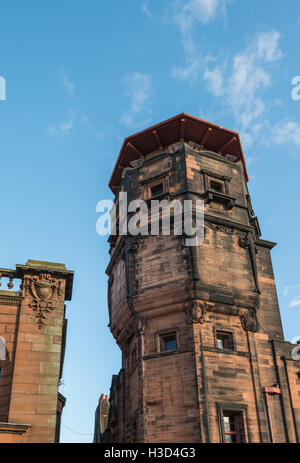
(221, 228)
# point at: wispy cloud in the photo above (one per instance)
(139, 90)
(189, 72)
(243, 80)
(214, 80)
(287, 289)
(66, 83)
(63, 128)
(295, 302)
(286, 132)
(145, 8)
(185, 14)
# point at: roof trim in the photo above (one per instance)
(182, 127)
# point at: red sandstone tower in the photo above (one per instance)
(203, 353)
(32, 343)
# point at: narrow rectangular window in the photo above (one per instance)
(233, 427)
(224, 340)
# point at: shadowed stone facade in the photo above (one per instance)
(203, 352)
(33, 329)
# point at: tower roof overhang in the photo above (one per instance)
(182, 127)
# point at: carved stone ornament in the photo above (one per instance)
(43, 289)
(195, 312)
(244, 241)
(220, 228)
(249, 321)
(136, 163)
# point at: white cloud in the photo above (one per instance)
(287, 289)
(214, 80)
(190, 72)
(295, 302)
(146, 10)
(185, 14)
(243, 81)
(138, 88)
(188, 12)
(267, 46)
(66, 83)
(286, 132)
(63, 128)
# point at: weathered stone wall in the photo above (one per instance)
(9, 312)
(35, 330)
(225, 284)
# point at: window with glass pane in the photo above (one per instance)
(157, 190)
(224, 340)
(168, 342)
(233, 427)
(216, 186)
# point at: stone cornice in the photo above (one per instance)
(10, 297)
(13, 428)
(34, 266)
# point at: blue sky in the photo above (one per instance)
(83, 75)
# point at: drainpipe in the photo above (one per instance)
(273, 390)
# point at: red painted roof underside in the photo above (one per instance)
(181, 127)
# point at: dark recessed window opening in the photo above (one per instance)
(168, 342)
(233, 427)
(224, 340)
(216, 186)
(157, 190)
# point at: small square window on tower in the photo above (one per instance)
(217, 186)
(168, 342)
(224, 340)
(157, 190)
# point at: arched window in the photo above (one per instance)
(2, 352)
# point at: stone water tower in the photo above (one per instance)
(203, 352)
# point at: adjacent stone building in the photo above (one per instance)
(203, 352)
(32, 344)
